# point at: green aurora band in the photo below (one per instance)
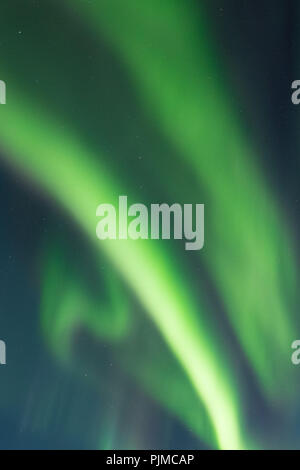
(195, 112)
(248, 253)
(150, 272)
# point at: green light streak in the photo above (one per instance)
(47, 152)
(66, 304)
(248, 252)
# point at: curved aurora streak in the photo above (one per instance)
(195, 112)
(243, 241)
(155, 279)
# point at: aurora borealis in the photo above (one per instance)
(138, 343)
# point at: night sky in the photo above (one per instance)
(140, 344)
